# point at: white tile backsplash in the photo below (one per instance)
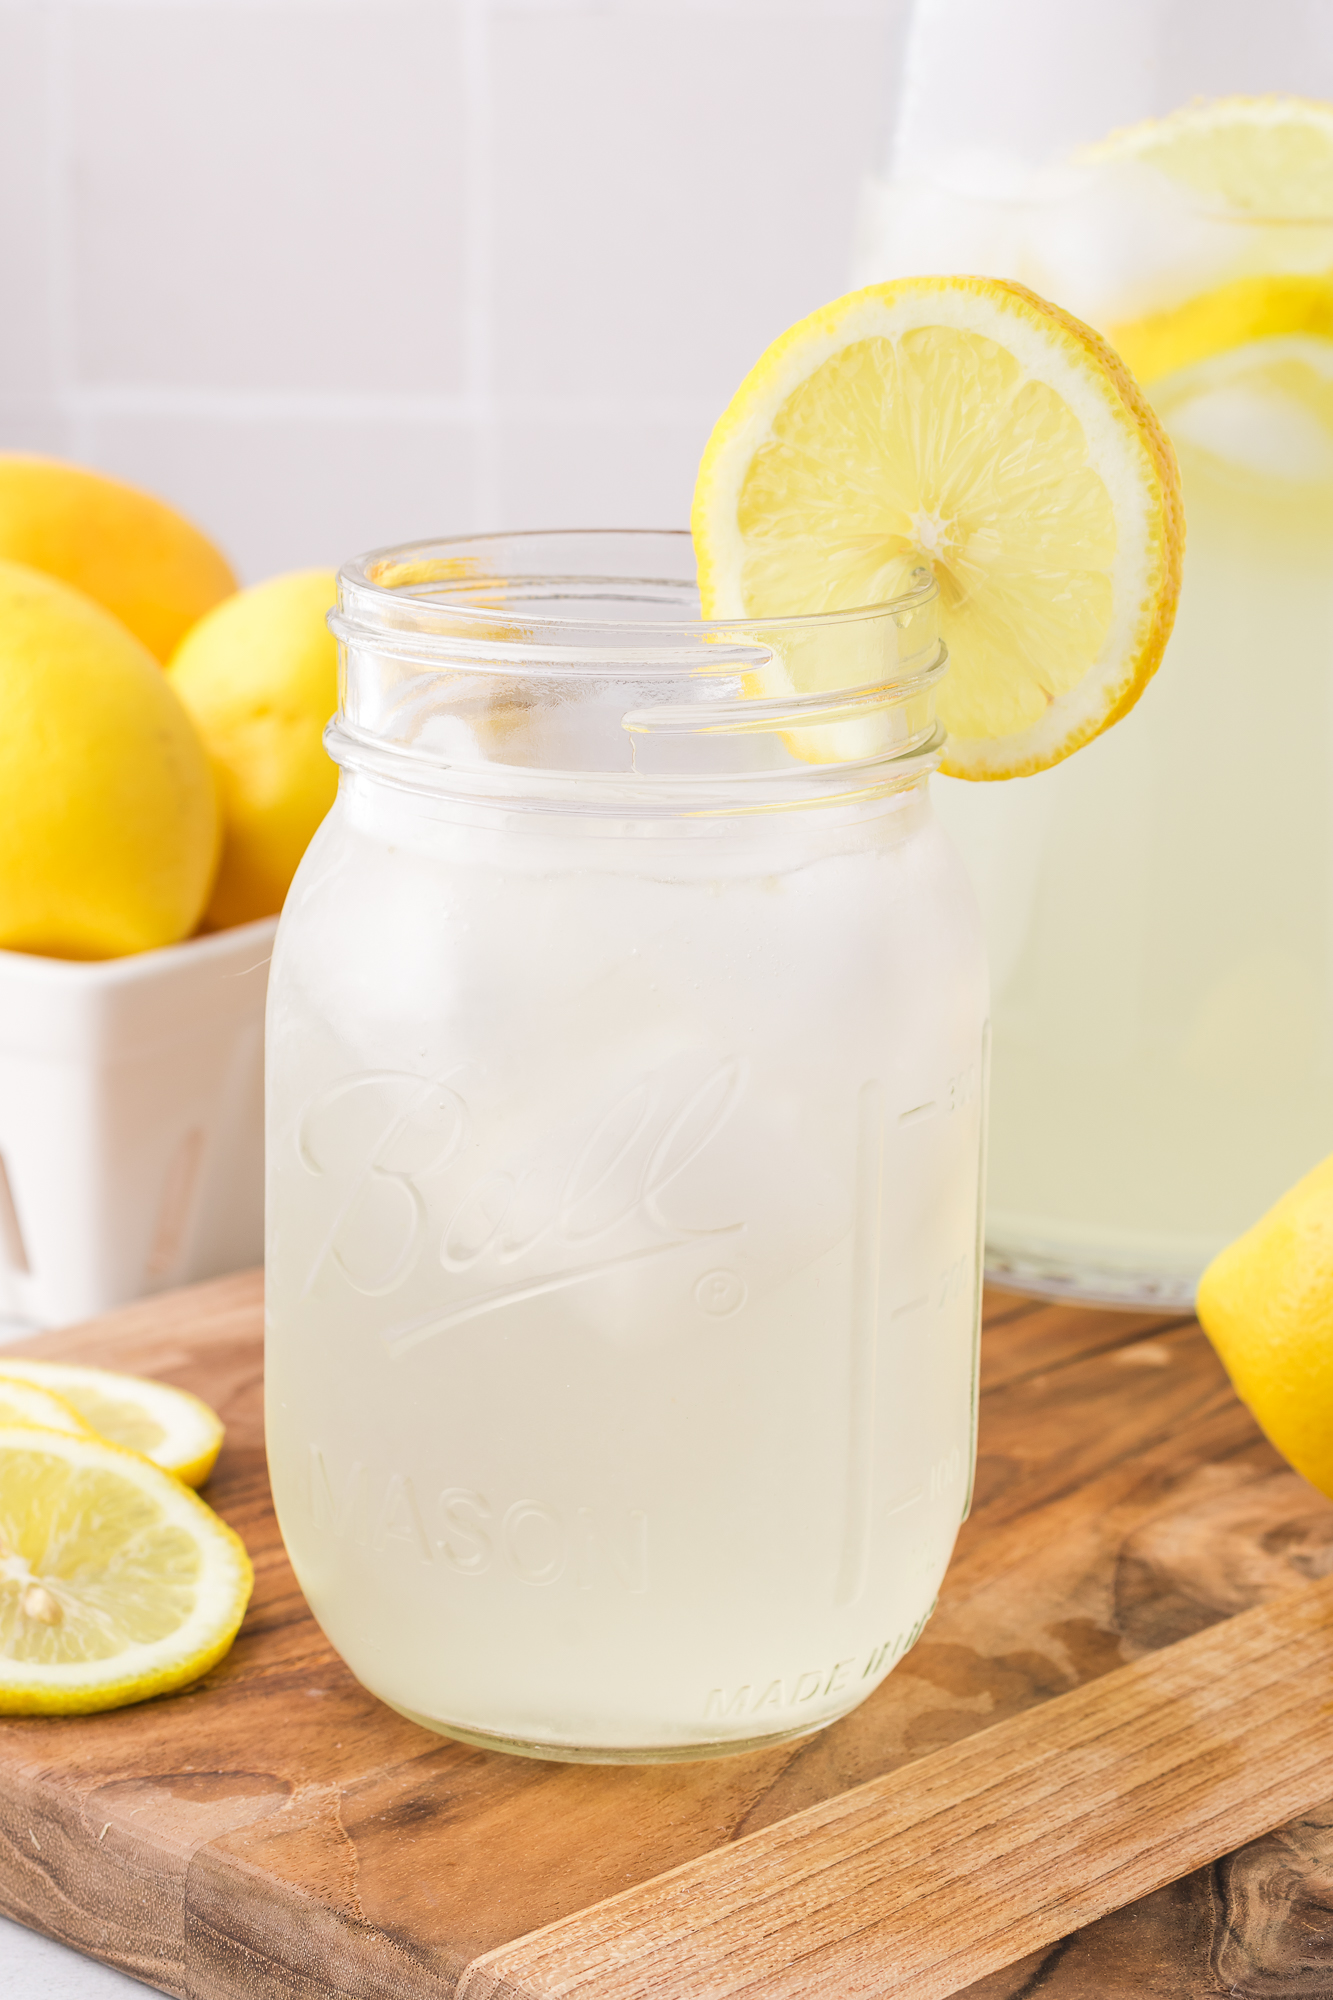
(332, 273)
(260, 196)
(281, 493)
(598, 471)
(27, 360)
(672, 188)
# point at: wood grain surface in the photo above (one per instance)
(277, 1831)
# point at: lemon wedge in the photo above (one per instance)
(24, 1403)
(966, 427)
(116, 1582)
(1261, 156)
(169, 1426)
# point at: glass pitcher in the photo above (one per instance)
(1158, 910)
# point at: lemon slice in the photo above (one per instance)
(1228, 317)
(1261, 411)
(24, 1403)
(1249, 159)
(964, 426)
(168, 1425)
(116, 1582)
(1262, 156)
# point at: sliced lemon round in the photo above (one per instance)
(1264, 156)
(24, 1403)
(116, 1582)
(1228, 317)
(964, 426)
(1261, 411)
(169, 1426)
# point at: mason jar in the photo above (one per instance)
(626, 1072)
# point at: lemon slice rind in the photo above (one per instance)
(174, 1429)
(1261, 157)
(1124, 443)
(137, 1669)
(25, 1403)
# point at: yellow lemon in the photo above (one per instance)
(260, 677)
(116, 1581)
(1266, 1303)
(966, 427)
(132, 553)
(1262, 157)
(173, 1428)
(1231, 316)
(23, 1402)
(1254, 160)
(109, 832)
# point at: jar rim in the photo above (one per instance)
(567, 664)
(373, 586)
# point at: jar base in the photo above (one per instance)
(568, 1753)
(1087, 1283)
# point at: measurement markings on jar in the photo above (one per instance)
(466, 1533)
(864, 1330)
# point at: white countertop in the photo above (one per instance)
(37, 1968)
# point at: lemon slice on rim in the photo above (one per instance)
(169, 1426)
(965, 426)
(116, 1582)
(24, 1403)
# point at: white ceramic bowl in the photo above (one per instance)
(131, 1122)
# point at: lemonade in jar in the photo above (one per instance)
(628, 1043)
(1159, 913)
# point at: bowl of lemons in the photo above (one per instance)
(163, 770)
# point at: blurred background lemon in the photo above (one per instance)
(110, 830)
(133, 554)
(259, 675)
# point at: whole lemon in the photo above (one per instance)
(260, 677)
(1266, 1303)
(109, 831)
(132, 553)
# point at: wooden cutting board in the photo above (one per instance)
(1106, 1769)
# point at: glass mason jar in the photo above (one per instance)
(1159, 910)
(626, 1078)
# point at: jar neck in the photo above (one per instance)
(573, 674)
(446, 822)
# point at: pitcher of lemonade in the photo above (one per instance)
(1159, 909)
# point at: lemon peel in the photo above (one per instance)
(260, 677)
(134, 555)
(1230, 316)
(174, 1429)
(1259, 156)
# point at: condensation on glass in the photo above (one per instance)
(626, 1076)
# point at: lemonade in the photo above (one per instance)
(1158, 911)
(626, 1092)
